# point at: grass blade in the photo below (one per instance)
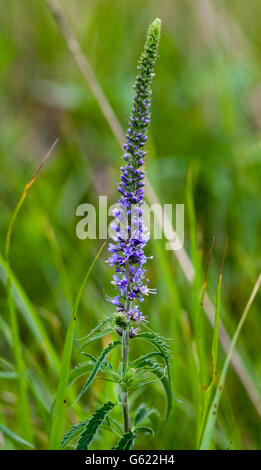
(30, 316)
(23, 405)
(15, 438)
(24, 415)
(217, 317)
(214, 346)
(212, 415)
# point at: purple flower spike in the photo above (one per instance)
(129, 233)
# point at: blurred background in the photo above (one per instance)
(206, 118)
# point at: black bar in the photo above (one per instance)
(120, 459)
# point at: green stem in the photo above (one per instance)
(125, 359)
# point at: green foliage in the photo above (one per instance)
(30, 316)
(58, 412)
(97, 366)
(95, 337)
(93, 425)
(99, 328)
(159, 342)
(208, 393)
(142, 413)
(79, 370)
(145, 430)
(146, 363)
(205, 116)
(84, 367)
(212, 415)
(126, 442)
(8, 375)
(155, 368)
(15, 438)
(73, 433)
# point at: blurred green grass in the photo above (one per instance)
(205, 116)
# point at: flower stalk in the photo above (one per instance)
(130, 234)
(127, 257)
(125, 360)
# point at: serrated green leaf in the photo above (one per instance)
(115, 423)
(159, 342)
(84, 367)
(158, 371)
(144, 429)
(95, 337)
(90, 356)
(93, 425)
(100, 325)
(74, 432)
(142, 413)
(136, 362)
(126, 442)
(79, 370)
(97, 366)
